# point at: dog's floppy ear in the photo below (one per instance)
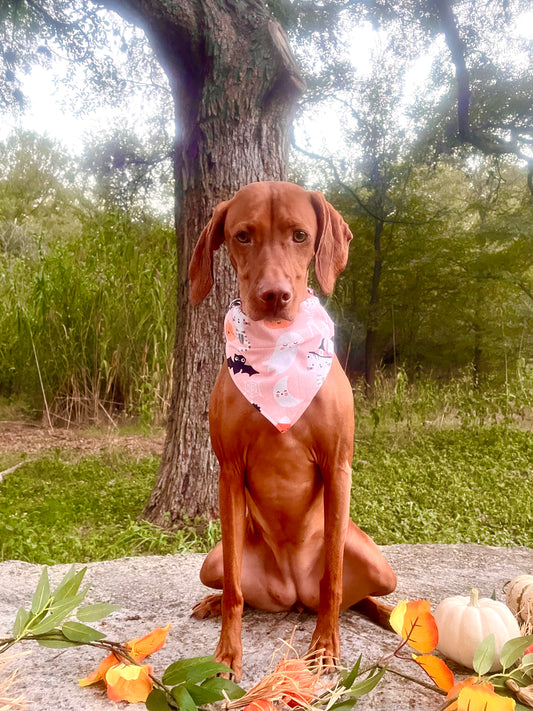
(201, 265)
(333, 239)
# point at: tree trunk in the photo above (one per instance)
(235, 86)
(371, 340)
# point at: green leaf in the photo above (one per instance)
(41, 596)
(206, 670)
(348, 678)
(202, 695)
(366, 685)
(157, 701)
(527, 664)
(343, 705)
(514, 649)
(184, 699)
(70, 585)
(78, 632)
(58, 612)
(194, 669)
(219, 684)
(485, 655)
(20, 622)
(93, 613)
(57, 643)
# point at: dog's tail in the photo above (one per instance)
(375, 610)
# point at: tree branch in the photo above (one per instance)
(489, 144)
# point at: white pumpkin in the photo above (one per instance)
(463, 623)
(520, 598)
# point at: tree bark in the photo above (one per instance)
(371, 340)
(235, 86)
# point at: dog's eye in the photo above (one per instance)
(242, 237)
(299, 236)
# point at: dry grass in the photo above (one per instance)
(9, 699)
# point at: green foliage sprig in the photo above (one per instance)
(47, 621)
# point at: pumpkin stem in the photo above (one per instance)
(474, 595)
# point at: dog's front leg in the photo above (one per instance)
(233, 524)
(325, 642)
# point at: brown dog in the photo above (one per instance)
(287, 540)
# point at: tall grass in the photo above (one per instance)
(87, 323)
(403, 407)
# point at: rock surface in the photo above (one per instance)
(153, 591)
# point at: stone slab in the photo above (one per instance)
(155, 590)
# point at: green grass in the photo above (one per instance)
(433, 463)
(461, 485)
(58, 511)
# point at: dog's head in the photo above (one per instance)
(272, 231)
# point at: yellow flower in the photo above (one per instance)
(128, 682)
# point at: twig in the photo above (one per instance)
(10, 470)
(425, 684)
(40, 377)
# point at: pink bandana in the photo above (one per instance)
(279, 366)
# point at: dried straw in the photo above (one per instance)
(280, 685)
(7, 702)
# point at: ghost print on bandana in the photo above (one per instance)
(279, 366)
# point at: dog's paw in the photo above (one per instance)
(232, 659)
(325, 648)
(209, 606)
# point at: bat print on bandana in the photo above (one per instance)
(238, 365)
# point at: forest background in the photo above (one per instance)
(434, 312)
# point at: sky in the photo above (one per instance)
(46, 112)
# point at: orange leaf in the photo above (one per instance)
(416, 625)
(437, 670)
(150, 643)
(129, 682)
(456, 688)
(482, 697)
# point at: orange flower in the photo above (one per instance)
(304, 681)
(437, 670)
(138, 648)
(99, 674)
(529, 650)
(129, 682)
(414, 622)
